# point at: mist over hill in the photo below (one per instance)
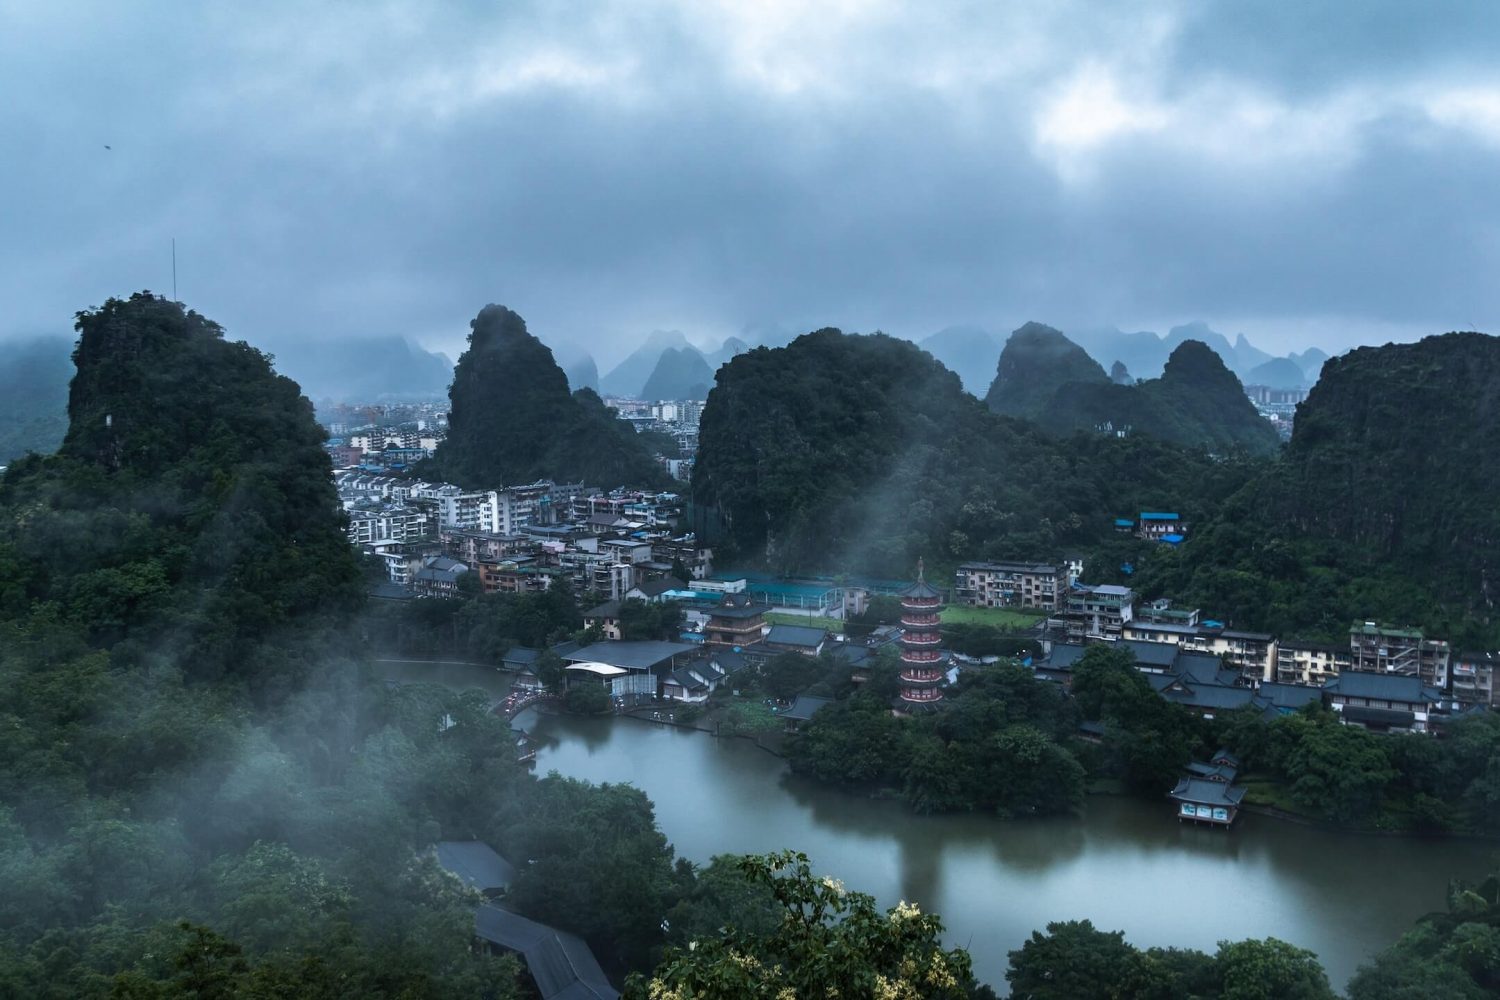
(968, 351)
(34, 377)
(364, 368)
(680, 373)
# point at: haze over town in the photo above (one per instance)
(1310, 176)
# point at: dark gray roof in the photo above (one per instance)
(1382, 687)
(1212, 696)
(1064, 655)
(1152, 654)
(1289, 696)
(476, 863)
(629, 655)
(520, 656)
(1207, 793)
(921, 589)
(804, 707)
(388, 591)
(1222, 772)
(738, 606)
(795, 635)
(655, 588)
(561, 964)
(609, 609)
(728, 660)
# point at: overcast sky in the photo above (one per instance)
(1306, 173)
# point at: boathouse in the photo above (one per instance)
(1201, 800)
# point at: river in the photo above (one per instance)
(1126, 864)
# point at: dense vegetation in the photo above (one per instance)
(997, 746)
(1036, 362)
(33, 396)
(1197, 402)
(1379, 509)
(514, 421)
(863, 453)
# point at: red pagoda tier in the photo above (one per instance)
(923, 663)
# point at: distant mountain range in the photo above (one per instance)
(368, 368)
(1197, 401)
(668, 366)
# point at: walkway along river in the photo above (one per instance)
(1126, 864)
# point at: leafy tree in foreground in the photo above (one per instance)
(830, 943)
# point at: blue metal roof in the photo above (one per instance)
(1147, 515)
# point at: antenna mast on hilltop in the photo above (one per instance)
(174, 269)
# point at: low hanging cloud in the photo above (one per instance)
(1305, 175)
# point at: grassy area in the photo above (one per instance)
(998, 617)
(793, 618)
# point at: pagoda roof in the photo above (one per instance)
(921, 589)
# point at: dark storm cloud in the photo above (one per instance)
(1302, 174)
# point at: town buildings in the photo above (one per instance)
(1010, 585)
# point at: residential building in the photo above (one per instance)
(1383, 701)
(1010, 585)
(1161, 526)
(1385, 650)
(1096, 611)
(1473, 678)
(372, 521)
(606, 617)
(1300, 662)
(438, 577)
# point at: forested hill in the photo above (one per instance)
(1197, 402)
(514, 421)
(190, 497)
(1383, 504)
(1036, 362)
(864, 453)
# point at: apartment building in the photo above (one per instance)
(1300, 662)
(1380, 649)
(1096, 611)
(1010, 585)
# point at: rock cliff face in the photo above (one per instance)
(514, 421)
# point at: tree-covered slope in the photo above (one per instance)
(1197, 402)
(1397, 449)
(189, 468)
(864, 453)
(34, 378)
(1036, 362)
(514, 421)
(680, 373)
(1382, 506)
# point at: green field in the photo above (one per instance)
(998, 617)
(815, 621)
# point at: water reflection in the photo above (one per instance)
(1125, 863)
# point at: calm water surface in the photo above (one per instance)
(1126, 864)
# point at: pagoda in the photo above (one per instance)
(923, 664)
